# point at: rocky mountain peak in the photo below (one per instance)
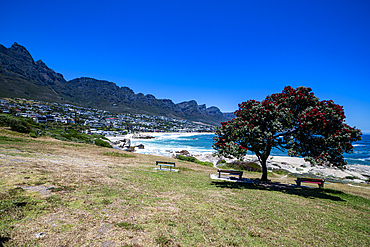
(20, 49)
(41, 63)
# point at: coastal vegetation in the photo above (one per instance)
(193, 159)
(293, 120)
(56, 193)
(17, 124)
(64, 132)
(241, 165)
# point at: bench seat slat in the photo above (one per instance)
(318, 181)
(312, 182)
(165, 163)
(230, 172)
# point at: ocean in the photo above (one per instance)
(165, 143)
(200, 143)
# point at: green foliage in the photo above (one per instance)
(247, 166)
(33, 134)
(15, 123)
(294, 120)
(194, 160)
(281, 172)
(100, 142)
(74, 135)
(98, 136)
(61, 132)
(186, 158)
(241, 166)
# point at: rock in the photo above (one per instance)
(183, 152)
(125, 142)
(40, 235)
(142, 137)
(130, 148)
(173, 155)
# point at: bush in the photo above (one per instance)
(186, 158)
(99, 136)
(15, 124)
(33, 134)
(246, 166)
(193, 159)
(20, 125)
(100, 142)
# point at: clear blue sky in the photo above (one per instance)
(219, 53)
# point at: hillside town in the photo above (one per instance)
(98, 121)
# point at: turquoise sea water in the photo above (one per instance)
(361, 152)
(202, 143)
(360, 155)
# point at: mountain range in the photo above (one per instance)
(22, 77)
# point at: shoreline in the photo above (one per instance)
(353, 173)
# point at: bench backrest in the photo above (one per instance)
(311, 179)
(229, 171)
(164, 163)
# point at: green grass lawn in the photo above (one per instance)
(97, 196)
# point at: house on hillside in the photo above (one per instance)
(50, 118)
(40, 119)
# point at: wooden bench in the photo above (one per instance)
(318, 181)
(164, 163)
(230, 172)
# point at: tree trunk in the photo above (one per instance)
(263, 160)
(264, 170)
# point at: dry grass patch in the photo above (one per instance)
(103, 197)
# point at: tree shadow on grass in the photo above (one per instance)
(284, 188)
(3, 240)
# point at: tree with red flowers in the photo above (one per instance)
(293, 120)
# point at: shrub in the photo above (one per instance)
(33, 134)
(100, 142)
(186, 158)
(15, 124)
(247, 166)
(193, 159)
(99, 136)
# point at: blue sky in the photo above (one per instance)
(219, 53)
